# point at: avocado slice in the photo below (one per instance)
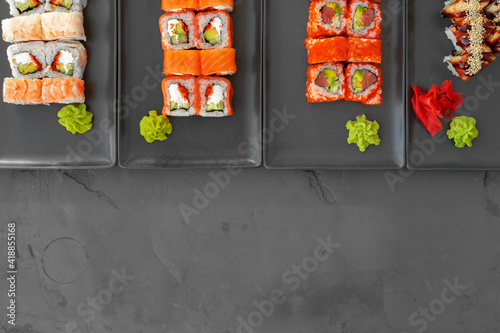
(212, 36)
(333, 80)
(357, 81)
(336, 7)
(30, 4)
(68, 69)
(215, 107)
(63, 3)
(26, 69)
(358, 18)
(175, 106)
(179, 30)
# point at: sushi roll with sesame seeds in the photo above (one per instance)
(493, 40)
(457, 10)
(26, 7)
(493, 11)
(364, 20)
(459, 64)
(178, 30)
(327, 18)
(460, 34)
(325, 83)
(364, 83)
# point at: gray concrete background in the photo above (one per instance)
(143, 251)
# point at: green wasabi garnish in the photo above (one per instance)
(463, 130)
(155, 127)
(76, 118)
(363, 132)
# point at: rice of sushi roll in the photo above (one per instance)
(325, 83)
(459, 35)
(65, 5)
(493, 40)
(27, 60)
(458, 62)
(493, 11)
(215, 96)
(178, 30)
(26, 7)
(327, 18)
(65, 59)
(226, 5)
(364, 19)
(457, 10)
(364, 83)
(214, 30)
(180, 96)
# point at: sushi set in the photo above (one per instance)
(197, 83)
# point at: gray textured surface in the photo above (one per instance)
(396, 251)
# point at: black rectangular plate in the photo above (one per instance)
(32, 138)
(195, 142)
(427, 46)
(317, 136)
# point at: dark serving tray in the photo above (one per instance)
(195, 141)
(427, 46)
(316, 137)
(32, 138)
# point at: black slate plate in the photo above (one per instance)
(195, 142)
(427, 46)
(317, 136)
(31, 137)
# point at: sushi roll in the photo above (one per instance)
(22, 29)
(327, 18)
(65, 5)
(27, 60)
(457, 10)
(226, 5)
(26, 7)
(182, 62)
(325, 83)
(364, 20)
(178, 30)
(179, 5)
(63, 91)
(181, 96)
(63, 26)
(22, 91)
(458, 62)
(215, 97)
(65, 59)
(459, 34)
(364, 84)
(214, 30)
(332, 49)
(493, 40)
(493, 11)
(364, 50)
(218, 62)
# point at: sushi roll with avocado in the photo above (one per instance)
(215, 97)
(26, 7)
(65, 59)
(364, 20)
(214, 30)
(27, 60)
(65, 5)
(364, 83)
(325, 83)
(178, 30)
(327, 18)
(180, 94)
(459, 64)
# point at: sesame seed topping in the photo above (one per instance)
(475, 19)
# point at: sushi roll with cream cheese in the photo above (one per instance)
(215, 97)
(178, 30)
(214, 30)
(180, 94)
(65, 5)
(27, 60)
(65, 59)
(26, 7)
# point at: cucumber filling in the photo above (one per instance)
(63, 3)
(212, 32)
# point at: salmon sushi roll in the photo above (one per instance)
(65, 59)
(226, 5)
(182, 62)
(215, 97)
(458, 62)
(22, 91)
(457, 10)
(327, 18)
(180, 94)
(332, 49)
(65, 5)
(63, 91)
(26, 7)
(27, 60)
(214, 30)
(459, 34)
(493, 40)
(365, 20)
(218, 62)
(22, 29)
(179, 5)
(325, 83)
(364, 50)
(63, 26)
(364, 84)
(493, 11)
(178, 30)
